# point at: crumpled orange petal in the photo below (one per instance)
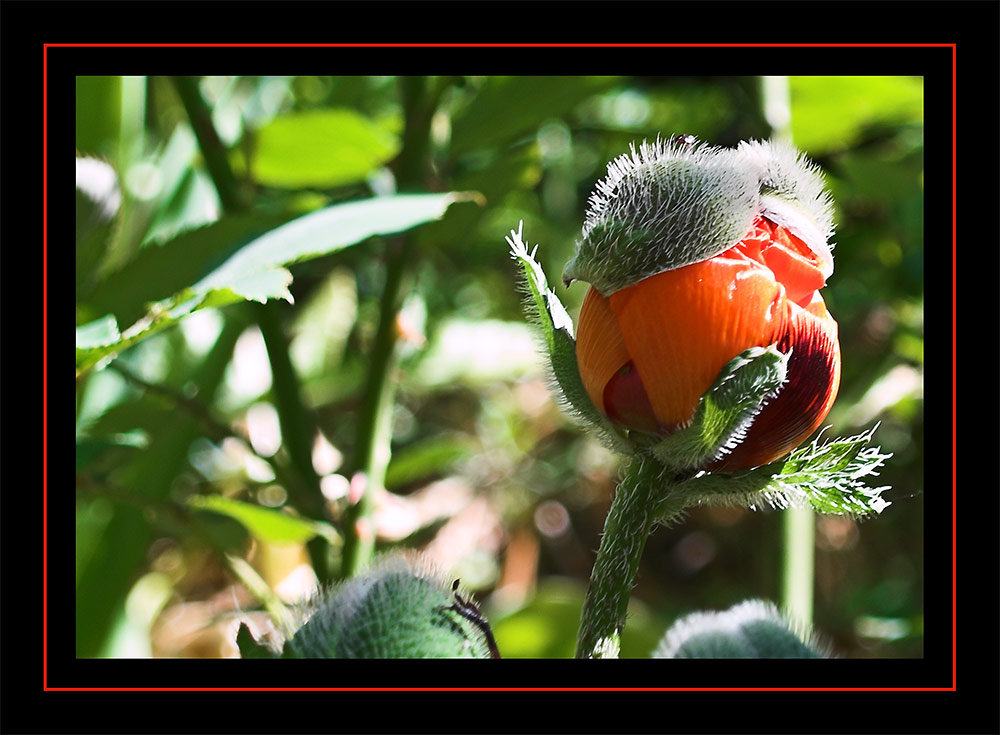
(681, 327)
(648, 352)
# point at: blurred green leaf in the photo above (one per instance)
(159, 270)
(546, 627)
(256, 272)
(507, 107)
(98, 113)
(265, 524)
(426, 458)
(830, 113)
(89, 449)
(320, 148)
(116, 556)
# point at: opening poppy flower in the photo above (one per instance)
(649, 351)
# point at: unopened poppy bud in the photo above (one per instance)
(676, 294)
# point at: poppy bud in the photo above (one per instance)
(675, 295)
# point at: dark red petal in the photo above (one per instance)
(627, 403)
(805, 399)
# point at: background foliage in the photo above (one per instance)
(215, 455)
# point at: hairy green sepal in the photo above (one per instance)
(726, 411)
(556, 330)
(829, 477)
(675, 202)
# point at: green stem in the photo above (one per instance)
(373, 446)
(797, 524)
(798, 537)
(626, 529)
(298, 428)
(211, 146)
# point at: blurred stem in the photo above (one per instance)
(626, 529)
(211, 146)
(373, 446)
(797, 524)
(798, 541)
(298, 429)
(297, 426)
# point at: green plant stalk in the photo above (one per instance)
(798, 540)
(208, 141)
(297, 425)
(372, 452)
(797, 524)
(298, 428)
(373, 447)
(628, 525)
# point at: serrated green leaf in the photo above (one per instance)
(265, 524)
(544, 309)
(828, 477)
(726, 410)
(257, 270)
(98, 333)
(320, 148)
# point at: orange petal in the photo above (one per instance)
(682, 326)
(600, 350)
(794, 265)
(804, 401)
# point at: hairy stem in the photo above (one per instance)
(626, 529)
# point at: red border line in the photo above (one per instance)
(500, 45)
(45, 365)
(954, 366)
(954, 424)
(500, 689)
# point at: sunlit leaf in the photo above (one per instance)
(161, 269)
(257, 270)
(831, 112)
(98, 333)
(320, 148)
